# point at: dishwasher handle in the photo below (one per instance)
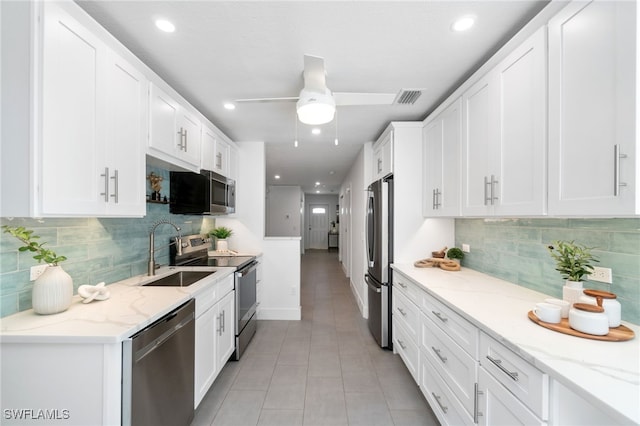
(146, 350)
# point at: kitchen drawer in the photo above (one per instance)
(224, 286)
(460, 330)
(407, 287)
(457, 368)
(527, 383)
(206, 299)
(407, 314)
(497, 406)
(407, 348)
(444, 403)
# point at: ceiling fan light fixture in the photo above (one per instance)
(315, 108)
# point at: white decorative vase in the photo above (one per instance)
(221, 245)
(572, 291)
(52, 291)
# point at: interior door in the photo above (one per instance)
(318, 226)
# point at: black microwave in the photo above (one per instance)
(206, 192)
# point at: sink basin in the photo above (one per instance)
(180, 279)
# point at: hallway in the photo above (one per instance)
(323, 370)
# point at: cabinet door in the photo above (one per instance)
(378, 166)
(221, 158)
(478, 130)
(189, 139)
(72, 180)
(226, 338)
(432, 169)
(519, 152)
(126, 137)
(163, 127)
(592, 116)
(208, 148)
(498, 407)
(205, 367)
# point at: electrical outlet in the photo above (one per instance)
(466, 248)
(36, 271)
(603, 275)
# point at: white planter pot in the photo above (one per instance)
(222, 245)
(52, 291)
(572, 291)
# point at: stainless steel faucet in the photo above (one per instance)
(151, 267)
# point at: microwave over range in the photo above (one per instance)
(206, 192)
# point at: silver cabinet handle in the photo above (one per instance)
(439, 316)
(115, 185)
(401, 344)
(105, 194)
(404, 314)
(186, 140)
(219, 329)
(616, 170)
(437, 352)
(182, 144)
(219, 161)
(476, 405)
(498, 363)
(443, 407)
(379, 165)
(438, 194)
(402, 284)
(433, 200)
(486, 183)
(494, 182)
(224, 325)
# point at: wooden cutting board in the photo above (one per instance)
(617, 334)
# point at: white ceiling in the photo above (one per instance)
(229, 50)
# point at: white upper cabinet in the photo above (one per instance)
(173, 130)
(221, 158)
(592, 110)
(218, 155)
(93, 124)
(504, 142)
(383, 156)
(441, 141)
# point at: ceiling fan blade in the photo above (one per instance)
(314, 74)
(285, 99)
(348, 98)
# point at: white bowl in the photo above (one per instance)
(596, 323)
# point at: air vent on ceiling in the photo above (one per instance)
(407, 96)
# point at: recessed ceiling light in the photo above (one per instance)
(165, 25)
(276, 177)
(463, 23)
(317, 183)
(331, 172)
(317, 192)
(316, 131)
(229, 106)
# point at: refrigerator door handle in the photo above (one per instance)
(372, 286)
(370, 223)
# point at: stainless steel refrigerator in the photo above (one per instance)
(379, 257)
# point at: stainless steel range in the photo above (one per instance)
(195, 253)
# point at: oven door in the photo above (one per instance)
(245, 281)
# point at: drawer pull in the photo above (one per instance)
(437, 352)
(439, 316)
(404, 314)
(443, 407)
(476, 406)
(498, 363)
(403, 285)
(402, 344)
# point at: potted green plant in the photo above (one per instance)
(573, 261)
(221, 233)
(53, 289)
(455, 254)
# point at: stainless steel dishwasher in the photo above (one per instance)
(157, 371)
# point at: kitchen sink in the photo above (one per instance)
(180, 279)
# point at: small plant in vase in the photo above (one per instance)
(221, 233)
(455, 254)
(53, 289)
(573, 261)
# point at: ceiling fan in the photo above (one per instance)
(316, 104)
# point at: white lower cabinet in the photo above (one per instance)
(215, 335)
(407, 348)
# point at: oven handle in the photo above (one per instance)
(247, 269)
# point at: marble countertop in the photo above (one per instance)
(606, 374)
(130, 308)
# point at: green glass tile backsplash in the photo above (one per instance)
(515, 250)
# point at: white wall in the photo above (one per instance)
(283, 215)
(280, 291)
(353, 229)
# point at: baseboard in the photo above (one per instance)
(363, 309)
(289, 314)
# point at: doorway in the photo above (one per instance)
(318, 221)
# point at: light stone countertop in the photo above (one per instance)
(130, 308)
(606, 374)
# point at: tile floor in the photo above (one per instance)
(324, 370)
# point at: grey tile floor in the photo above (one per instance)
(323, 370)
